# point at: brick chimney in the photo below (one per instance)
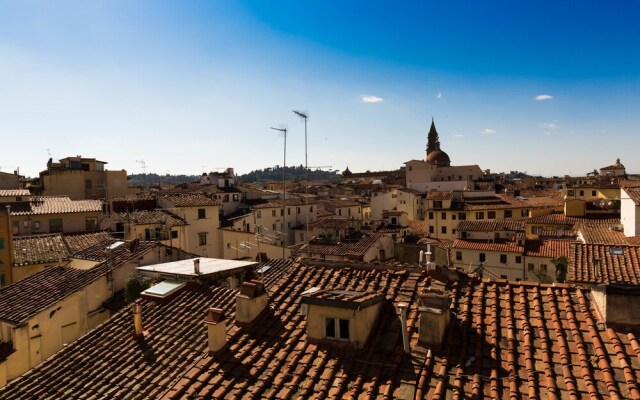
(617, 304)
(434, 316)
(251, 301)
(137, 319)
(216, 325)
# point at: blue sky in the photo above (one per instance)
(549, 88)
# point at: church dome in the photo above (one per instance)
(439, 158)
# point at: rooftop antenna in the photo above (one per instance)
(305, 116)
(284, 186)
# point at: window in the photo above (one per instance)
(453, 217)
(226, 198)
(443, 215)
(55, 225)
(201, 213)
(464, 235)
(543, 269)
(518, 259)
(462, 216)
(202, 239)
(536, 230)
(273, 227)
(530, 267)
(437, 204)
(593, 193)
(507, 213)
(298, 210)
(1, 243)
(431, 229)
(26, 223)
(524, 213)
(236, 197)
(503, 258)
(458, 255)
(174, 234)
(2, 280)
(503, 277)
(430, 215)
(337, 328)
(582, 193)
(443, 229)
(394, 221)
(483, 257)
(273, 213)
(491, 215)
(480, 215)
(91, 223)
(311, 209)
(36, 224)
(288, 211)
(571, 192)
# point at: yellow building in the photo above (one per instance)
(83, 178)
(6, 259)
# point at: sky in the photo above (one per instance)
(182, 87)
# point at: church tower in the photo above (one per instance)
(434, 154)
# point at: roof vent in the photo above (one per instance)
(196, 266)
(216, 324)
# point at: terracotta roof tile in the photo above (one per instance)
(14, 192)
(562, 219)
(634, 194)
(547, 248)
(189, 200)
(55, 205)
(600, 233)
(152, 217)
(506, 340)
(600, 263)
(489, 226)
(502, 245)
(40, 249)
(291, 202)
(437, 195)
(346, 249)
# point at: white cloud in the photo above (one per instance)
(488, 131)
(371, 99)
(459, 135)
(543, 97)
(439, 95)
(549, 125)
(547, 133)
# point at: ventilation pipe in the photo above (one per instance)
(421, 258)
(137, 319)
(196, 266)
(402, 311)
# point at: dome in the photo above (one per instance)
(439, 158)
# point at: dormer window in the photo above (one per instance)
(337, 328)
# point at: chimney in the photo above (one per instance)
(216, 325)
(402, 312)
(617, 304)
(251, 301)
(434, 316)
(137, 319)
(196, 266)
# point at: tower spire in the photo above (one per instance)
(433, 141)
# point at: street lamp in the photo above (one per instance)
(284, 187)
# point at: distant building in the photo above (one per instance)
(82, 178)
(436, 172)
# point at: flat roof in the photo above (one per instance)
(185, 268)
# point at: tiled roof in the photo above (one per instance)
(600, 233)
(291, 202)
(417, 227)
(562, 219)
(337, 203)
(501, 201)
(346, 249)
(40, 249)
(55, 205)
(335, 223)
(547, 248)
(152, 217)
(79, 241)
(501, 245)
(134, 197)
(437, 195)
(634, 194)
(489, 226)
(190, 200)
(98, 252)
(14, 192)
(598, 263)
(323, 213)
(506, 340)
(35, 293)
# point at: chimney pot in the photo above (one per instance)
(216, 324)
(137, 319)
(196, 266)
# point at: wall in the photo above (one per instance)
(471, 260)
(71, 222)
(72, 183)
(6, 250)
(232, 238)
(629, 215)
(360, 322)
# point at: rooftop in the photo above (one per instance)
(54, 205)
(601, 263)
(189, 200)
(506, 339)
(185, 268)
